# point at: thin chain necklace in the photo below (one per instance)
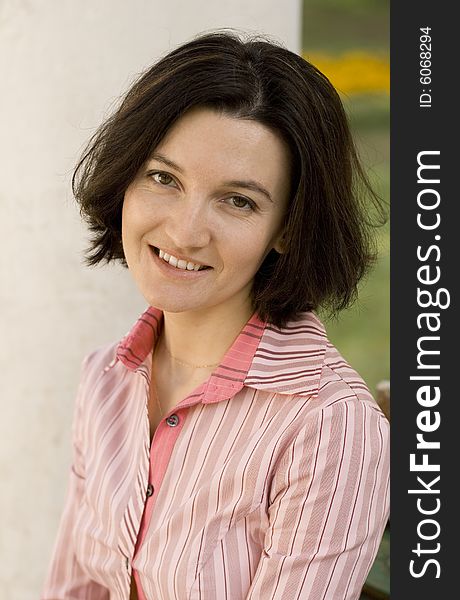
(189, 364)
(158, 400)
(154, 387)
(180, 362)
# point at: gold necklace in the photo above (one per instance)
(154, 387)
(158, 400)
(182, 363)
(188, 364)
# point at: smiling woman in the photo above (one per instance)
(224, 448)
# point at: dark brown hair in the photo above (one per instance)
(328, 241)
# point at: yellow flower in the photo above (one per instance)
(354, 72)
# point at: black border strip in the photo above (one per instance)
(424, 292)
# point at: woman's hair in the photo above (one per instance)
(328, 238)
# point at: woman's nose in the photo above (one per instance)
(188, 224)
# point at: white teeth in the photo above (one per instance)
(179, 264)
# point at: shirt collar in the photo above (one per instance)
(284, 360)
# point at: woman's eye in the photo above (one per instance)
(241, 202)
(161, 178)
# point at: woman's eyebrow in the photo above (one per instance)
(248, 184)
(166, 161)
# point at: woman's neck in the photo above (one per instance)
(193, 343)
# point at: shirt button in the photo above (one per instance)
(172, 420)
(149, 490)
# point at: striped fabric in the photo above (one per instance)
(269, 481)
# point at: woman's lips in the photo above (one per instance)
(176, 272)
(202, 266)
(159, 253)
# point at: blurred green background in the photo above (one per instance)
(348, 40)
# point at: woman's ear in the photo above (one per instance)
(280, 243)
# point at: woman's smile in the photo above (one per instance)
(177, 269)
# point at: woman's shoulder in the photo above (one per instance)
(340, 382)
(99, 361)
(337, 379)
(302, 361)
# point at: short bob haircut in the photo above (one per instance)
(328, 239)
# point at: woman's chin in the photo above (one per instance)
(174, 305)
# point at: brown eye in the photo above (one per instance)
(162, 178)
(241, 202)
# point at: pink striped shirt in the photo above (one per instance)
(269, 481)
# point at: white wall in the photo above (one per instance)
(63, 63)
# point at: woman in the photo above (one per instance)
(224, 448)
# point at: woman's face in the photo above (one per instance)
(214, 193)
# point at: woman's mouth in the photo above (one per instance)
(179, 266)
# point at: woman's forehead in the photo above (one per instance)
(207, 140)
